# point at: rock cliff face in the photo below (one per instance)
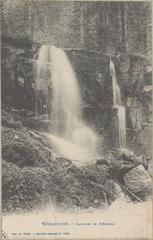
(103, 27)
(92, 71)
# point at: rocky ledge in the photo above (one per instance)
(33, 174)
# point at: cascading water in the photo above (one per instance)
(55, 71)
(42, 77)
(66, 108)
(117, 103)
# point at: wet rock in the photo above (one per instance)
(126, 154)
(102, 162)
(139, 181)
(37, 123)
(9, 121)
(6, 116)
(96, 173)
(23, 149)
(129, 156)
(24, 189)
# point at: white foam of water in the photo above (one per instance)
(63, 148)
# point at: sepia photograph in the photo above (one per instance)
(76, 120)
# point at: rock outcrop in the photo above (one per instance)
(139, 182)
(34, 175)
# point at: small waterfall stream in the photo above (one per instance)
(117, 104)
(57, 80)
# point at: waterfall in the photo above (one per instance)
(66, 107)
(55, 72)
(122, 126)
(121, 112)
(43, 76)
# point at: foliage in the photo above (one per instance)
(99, 26)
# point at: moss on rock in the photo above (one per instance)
(23, 189)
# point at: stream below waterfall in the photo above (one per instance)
(119, 220)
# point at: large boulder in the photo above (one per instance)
(139, 181)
